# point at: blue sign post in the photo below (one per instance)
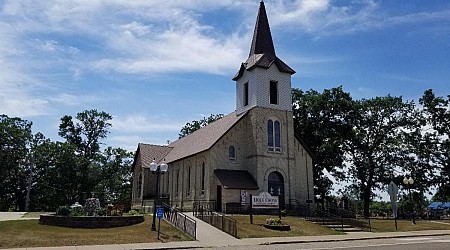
(159, 215)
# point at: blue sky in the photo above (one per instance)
(155, 65)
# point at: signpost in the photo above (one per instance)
(159, 214)
(264, 200)
(393, 191)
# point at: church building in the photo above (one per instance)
(251, 150)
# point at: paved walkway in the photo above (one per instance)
(208, 236)
(11, 216)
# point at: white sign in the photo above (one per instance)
(264, 200)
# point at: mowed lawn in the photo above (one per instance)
(299, 227)
(382, 225)
(29, 233)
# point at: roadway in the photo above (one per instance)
(428, 243)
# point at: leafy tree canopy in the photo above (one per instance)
(193, 126)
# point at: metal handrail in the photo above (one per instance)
(216, 219)
(180, 220)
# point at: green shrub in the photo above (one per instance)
(101, 211)
(77, 211)
(116, 212)
(63, 211)
(134, 212)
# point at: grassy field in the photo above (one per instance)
(29, 233)
(380, 225)
(299, 227)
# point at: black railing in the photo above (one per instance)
(324, 217)
(180, 220)
(218, 220)
(295, 208)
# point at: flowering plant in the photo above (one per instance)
(275, 222)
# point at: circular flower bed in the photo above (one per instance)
(90, 221)
(276, 224)
(92, 215)
(278, 227)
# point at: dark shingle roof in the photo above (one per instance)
(262, 52)
(236, 179)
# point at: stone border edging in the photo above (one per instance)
(90, 221)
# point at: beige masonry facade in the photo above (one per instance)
(251, 150)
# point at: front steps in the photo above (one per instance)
(334, 224)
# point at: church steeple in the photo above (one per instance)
(262, 42)
(262, 52)
(263, 80)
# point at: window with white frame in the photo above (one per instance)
(274, 135)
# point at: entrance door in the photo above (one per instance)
(219, 198)
(276, 186)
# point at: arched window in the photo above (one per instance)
(139, 187)
(274, 136)
(232, 153)
(189, 182)
(177, 183)
(203, 177)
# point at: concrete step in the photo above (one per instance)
(336, 225)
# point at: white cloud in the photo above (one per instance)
(44, 42)
(143, 123)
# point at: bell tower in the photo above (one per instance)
(263, 80)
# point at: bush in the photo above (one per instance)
(101, 211)
(63, 211)
(134, 212)
(77, 211)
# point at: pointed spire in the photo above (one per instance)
(262, 42)
(262, 51)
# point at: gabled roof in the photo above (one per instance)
(202, 139)
(262, 51)
(236, 179)
(149, 151)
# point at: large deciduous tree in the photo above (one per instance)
(85, 136)
(320, 120)
(15, 136)
(436, 141)
(193, 126)
(376, 146)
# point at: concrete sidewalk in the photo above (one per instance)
(11, 216)
(253, 241)
(208, 236)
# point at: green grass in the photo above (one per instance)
(29, 233)
(382, 225)
(299, 227)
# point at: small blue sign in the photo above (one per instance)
(159, 212)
